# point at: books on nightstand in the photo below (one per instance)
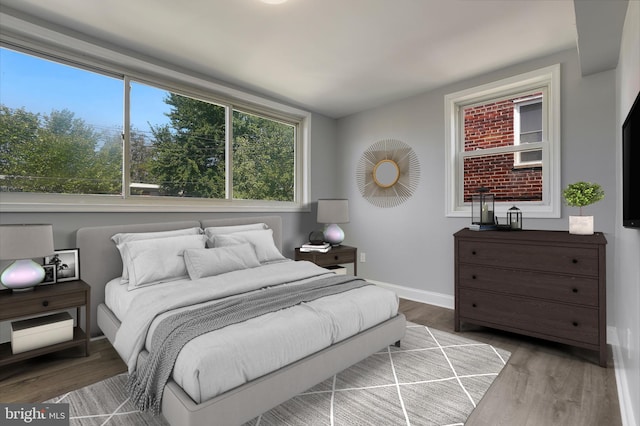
(322, 248)
(478, 227)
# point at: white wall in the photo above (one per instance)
(626, 286)
(412, 245)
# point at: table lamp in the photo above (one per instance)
(22, 243)
(331, 212)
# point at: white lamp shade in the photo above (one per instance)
(25, 241)
(22, 243)
(333, 210)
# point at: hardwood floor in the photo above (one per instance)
(48, 376)
(542, 384)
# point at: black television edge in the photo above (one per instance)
(631, 167)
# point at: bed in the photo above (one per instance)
(266, 386)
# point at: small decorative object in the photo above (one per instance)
(49, 274)
(582, 194)
(66, 263)
(316, 237)
(388, 173)
(22, 243)
(482, 207)
(514, 219)
(331, 212)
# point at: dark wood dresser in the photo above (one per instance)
(545, 284)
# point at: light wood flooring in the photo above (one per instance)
(543, 383)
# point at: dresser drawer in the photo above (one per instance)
(562, 288)
(548, 258)
(540, 318)
(41, 303)
(333, 258)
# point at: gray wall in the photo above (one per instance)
(412, 245)
(625, 298)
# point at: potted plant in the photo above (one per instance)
(582, 194)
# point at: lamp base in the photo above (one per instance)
(333, 234)
(22, 275)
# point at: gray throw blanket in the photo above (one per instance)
(146, 384)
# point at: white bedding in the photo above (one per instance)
(221, 360)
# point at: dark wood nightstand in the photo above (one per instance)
(338, 255)
(43, 299)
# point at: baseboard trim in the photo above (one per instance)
(624, 396)
(422, 296)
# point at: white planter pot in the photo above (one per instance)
(581, 225)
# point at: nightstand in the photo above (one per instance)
(336, 256)
(44, 299)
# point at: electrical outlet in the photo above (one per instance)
(363, 257)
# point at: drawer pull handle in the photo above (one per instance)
(473, 277)
(473, 252)
(575, 290)
(575, 324)
(575, 260)
(474, 305)
(45, 303)
(335, 257)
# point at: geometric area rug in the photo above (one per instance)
(435, 378)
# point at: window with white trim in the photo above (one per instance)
(527, 126)
(64, 138)
(505, 136)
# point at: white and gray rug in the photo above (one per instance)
(435, 378)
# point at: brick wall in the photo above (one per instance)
(490, 126)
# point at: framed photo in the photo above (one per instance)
(67, 264)
(49, 274)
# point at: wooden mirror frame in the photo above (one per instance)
(380, 174)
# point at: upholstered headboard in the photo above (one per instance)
(100, 260)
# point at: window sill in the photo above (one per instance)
(14, 202)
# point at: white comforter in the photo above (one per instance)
(221, 360)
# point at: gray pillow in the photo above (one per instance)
(159, 260)
(214, 261)
(262, 242)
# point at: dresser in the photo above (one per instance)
(545, 284)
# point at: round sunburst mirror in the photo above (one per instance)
(388, 173)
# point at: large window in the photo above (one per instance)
(70, 132)
(504, 136)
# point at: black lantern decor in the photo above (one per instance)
(514, 218)
(482, 207)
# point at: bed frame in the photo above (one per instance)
(100, 262)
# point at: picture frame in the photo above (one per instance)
(67, 264)
(50, 276)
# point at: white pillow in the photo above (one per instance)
(212, 231)
(214, 261)
(124, 237)
(262, 242)
(159, 260)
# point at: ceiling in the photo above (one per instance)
(334, 57)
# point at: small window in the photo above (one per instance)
(504, 136)
(527, 123)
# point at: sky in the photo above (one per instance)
(39, 86)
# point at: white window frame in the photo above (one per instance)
(517, 162)
(546, 80)
(21, 35)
